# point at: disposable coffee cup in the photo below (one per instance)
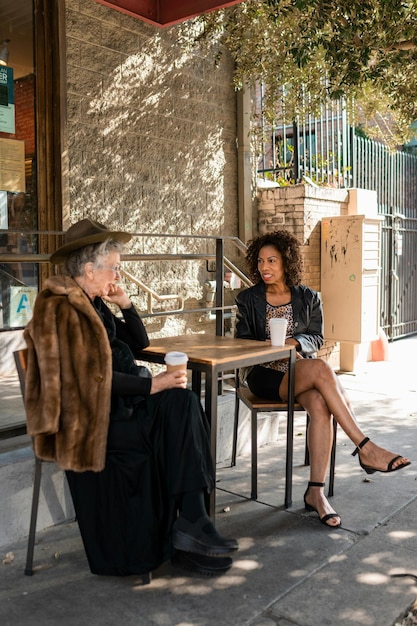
(278, 331)
(176, 361)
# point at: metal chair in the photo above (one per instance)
(261, 405)
(20, 357)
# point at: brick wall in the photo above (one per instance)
(24, 101)
(299, 209)
(25, 112)
(151, 139)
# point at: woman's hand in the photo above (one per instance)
(118, 296)
(290, 341)
(169, 380)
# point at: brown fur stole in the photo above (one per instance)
(68, 383)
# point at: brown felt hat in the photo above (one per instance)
(84, 233)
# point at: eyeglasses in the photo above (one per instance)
(114, 268)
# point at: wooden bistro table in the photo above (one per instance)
(212, 355)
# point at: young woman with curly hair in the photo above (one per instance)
(276, 267)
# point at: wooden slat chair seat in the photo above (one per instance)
(261, 405)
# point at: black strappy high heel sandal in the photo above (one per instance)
(372, 470)
(325, 518)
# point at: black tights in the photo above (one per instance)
(193, 506)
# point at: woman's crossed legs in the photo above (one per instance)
(318, 390)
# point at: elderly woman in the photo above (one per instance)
(135, 447)
(275, 264)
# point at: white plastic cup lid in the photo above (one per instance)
(175, 358)
(278, 320)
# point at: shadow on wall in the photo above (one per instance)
(151, 138)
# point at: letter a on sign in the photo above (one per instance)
(22, 300)
(23, 304)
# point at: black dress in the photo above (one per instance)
(157, 449)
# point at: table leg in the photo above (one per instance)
(290, 432)
(196, 382)
(211, 412)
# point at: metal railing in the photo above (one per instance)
(326, 151)
(393, 175)
(215, 260)
(315, 149)
(217, 257)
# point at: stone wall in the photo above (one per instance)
(151, 141)
(299, 209)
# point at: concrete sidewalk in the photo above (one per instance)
(290, 569)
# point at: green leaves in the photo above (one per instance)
(349, 49)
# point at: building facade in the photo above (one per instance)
(134, 128)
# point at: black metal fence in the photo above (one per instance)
(316, 149)
(326, 151)
(393, 175)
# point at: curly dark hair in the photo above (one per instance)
(289, 248)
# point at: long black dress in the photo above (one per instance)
(157, 449)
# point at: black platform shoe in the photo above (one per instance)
(194, 537)
(205, 565)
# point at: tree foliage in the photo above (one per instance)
(362, 50)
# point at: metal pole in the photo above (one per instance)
(219, 287)
(296, 158)
(391, 277)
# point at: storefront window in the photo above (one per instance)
(18, 192)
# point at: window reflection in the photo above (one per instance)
(18, 196)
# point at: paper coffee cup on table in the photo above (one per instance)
(176, 361)
(278, 330)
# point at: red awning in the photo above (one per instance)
(166, 12)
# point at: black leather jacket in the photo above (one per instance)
(307, 312)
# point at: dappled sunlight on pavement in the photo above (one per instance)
(290, 568)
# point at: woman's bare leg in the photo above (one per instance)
(320, 438)
(317, 374)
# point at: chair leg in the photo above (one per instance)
(235, 431)
(236, 421)
(332, 460)
(254, 451)
(307, 451)
(147, 578)
(33, 517)
(289, 459)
